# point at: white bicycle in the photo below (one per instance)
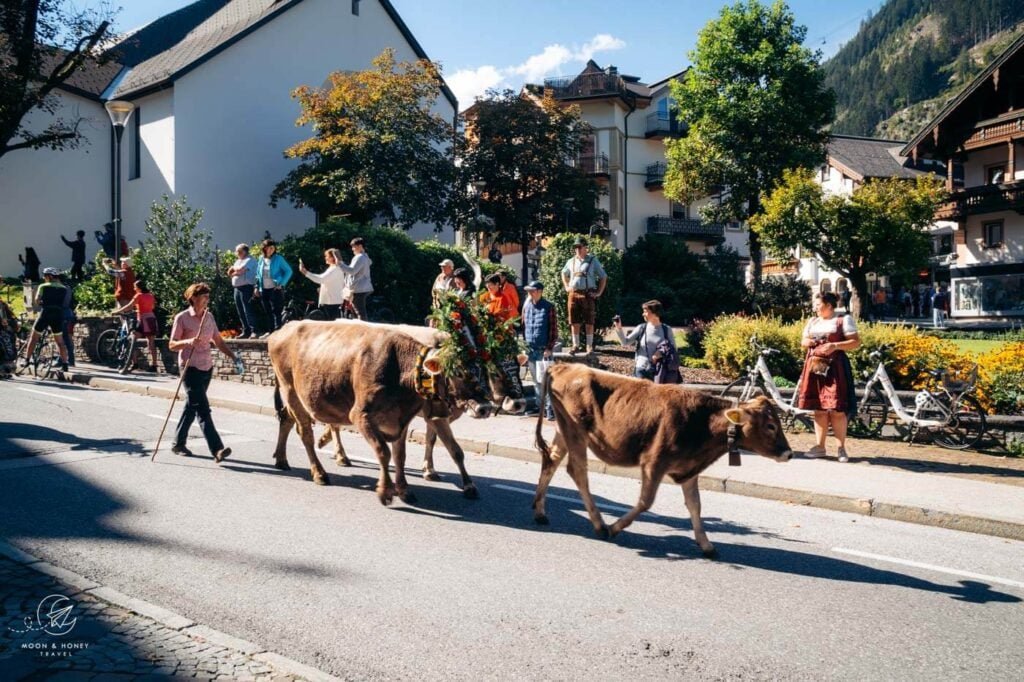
(952, 415)
(758, 380)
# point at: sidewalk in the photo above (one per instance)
(917, 484)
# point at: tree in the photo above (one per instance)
(756, 104)
(881, 228)
(42, 44)
(521, 149)
(377, 149)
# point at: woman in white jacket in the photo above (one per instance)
(332, 283)
(359, 271)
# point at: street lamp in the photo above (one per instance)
(478, 189)
(119, 112)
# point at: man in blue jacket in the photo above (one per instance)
(272, 274)
(540, 327)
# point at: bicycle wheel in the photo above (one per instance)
(317, 315)
(965, 427)
(125, 358)
(736, 388)
(106, 351)
(872, 413)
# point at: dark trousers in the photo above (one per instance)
(197, 405)
(273, 306)
(359, 303)
(245, 308)
(68, 334)
(331, 310)
(77, 273)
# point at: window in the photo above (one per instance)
(678, 210)
(993, 234)
(994, 175)
(355, 7)
(825, 286)
(135, 145)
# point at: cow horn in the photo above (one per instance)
(478, 273)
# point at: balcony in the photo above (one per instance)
(984, 199)
(664, 125)
(587, 85)
(687, 228)
(593, 164)
(655, 176)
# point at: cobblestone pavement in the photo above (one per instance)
(41, 640)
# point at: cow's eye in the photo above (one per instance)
(771, 427)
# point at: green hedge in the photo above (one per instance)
(558, 251)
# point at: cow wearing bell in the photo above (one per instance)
(371, 376)
(664, 429)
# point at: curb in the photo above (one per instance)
(892, 511)
(174, 621)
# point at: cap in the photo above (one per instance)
(580, 241)
(535, 285)
(447, 261)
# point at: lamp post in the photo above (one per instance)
(119, 112)
(478, 190)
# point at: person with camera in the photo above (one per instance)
(653, 338)
(826, 385)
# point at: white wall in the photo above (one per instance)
(234, 117)
(974, 251)
(156, 159)
(45, 193)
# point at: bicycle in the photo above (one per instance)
(45, 360)
(294, 310)
(117, 346)
(952, 415)
(376, 311)
(759, 381)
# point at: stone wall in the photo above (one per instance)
(257, 363)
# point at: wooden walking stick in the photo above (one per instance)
(177, 388)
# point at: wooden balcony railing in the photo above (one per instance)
(984, 199)
(587, 85)
(687, 228)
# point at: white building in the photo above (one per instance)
(626, 151)
(211, 84)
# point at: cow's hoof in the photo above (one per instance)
(385, 498)
(409, 497)
(470, 492)
(431, 476)
(342, 461)
(541, 520)
(710, 553)
(604, 533)
(282, 465)
(322, 480)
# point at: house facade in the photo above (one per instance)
(630, 121)
(977, 136)
(211, 84)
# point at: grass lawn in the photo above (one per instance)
(12, 293)
(976, 347)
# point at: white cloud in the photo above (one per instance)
(468, 84)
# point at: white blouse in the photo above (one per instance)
(331, 282)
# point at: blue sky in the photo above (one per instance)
(503, 43)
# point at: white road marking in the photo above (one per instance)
(563, 498)
(47, 393)
(930, 567)
(162, 417)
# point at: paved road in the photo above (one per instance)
(460, 589)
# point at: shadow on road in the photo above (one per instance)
(11, 432)
(930, 466)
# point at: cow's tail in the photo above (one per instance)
(540, 443)
(279, 408)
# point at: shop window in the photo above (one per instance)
(996, 295)
(993, 234)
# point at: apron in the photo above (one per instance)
(829, 392)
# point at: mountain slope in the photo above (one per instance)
(911, 57)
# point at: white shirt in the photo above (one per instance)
(818, 326)
(331, 282)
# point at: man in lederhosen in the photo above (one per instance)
(584, 279)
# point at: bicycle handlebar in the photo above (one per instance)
(762, 350)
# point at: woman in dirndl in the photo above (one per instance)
(826, 385)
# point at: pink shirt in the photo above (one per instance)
(186, 326)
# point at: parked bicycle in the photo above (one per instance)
(952, 414)
(376, 310)
(117, 346)
(45, 360)
(758, 380)
(300, 309)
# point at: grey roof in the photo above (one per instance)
(179, 42)
(89, 80)
(869, 157)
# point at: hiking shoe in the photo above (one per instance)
(815, 452)
(842, 455)
(221, 455)
(181, 450)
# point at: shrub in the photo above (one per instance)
(908, 354)
(727, 345)
(559, 251)
(1001, 379)
(95, 295)
(662, 267)
(784, 296)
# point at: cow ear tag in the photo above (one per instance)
(734, 416)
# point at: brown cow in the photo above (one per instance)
(664, 429)
(348, 372)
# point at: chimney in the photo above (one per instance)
(612, 70)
